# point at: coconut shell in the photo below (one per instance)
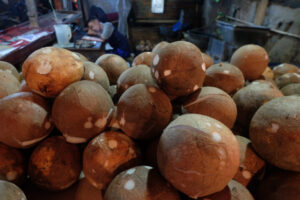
(144, 58)
(93, 72)
(5, 66)
(113, 65)
(285, 68)
(49, 70)
(179, 69)
(291, 89)
(8, 84)
(140, 183)
(287, 79)
(251, 97)
(10, 191)
(143, 111)
(135, 75)
(107, 155)
(225, 76)
(82, 111)
(207, 60)
(251, 59)
(275, 132)
(159, 46)
(239, 192)
(54, 164)
(198, 155)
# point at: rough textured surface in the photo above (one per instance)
(287, 79)
(144, 58)
(291, 89)
(285, 68)
(8, 84)
(10, 191)
(5, 66)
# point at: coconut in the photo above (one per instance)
(285, 68)
(250, 163)
(49, 70)
(198, 155)
(214, 103)
(23, 122)
(179, 69)
(268, 74)
(82, 111)
(113, 124)
(143, 111)
(144, 58)
(113, 65)
(82, 57)
(140, 183)
(107, 155)
(287, 79)
(159, 46)
(135, 75)
(207, 60)
(12, 165)
(239, 192)
(54, 164)
(24, 87)
(251, 59)
(225, 76)
(10, 191)
(5, 66)
(291, 89)
(222, 195)
(8, 84)
(251, 97)
(275, 132)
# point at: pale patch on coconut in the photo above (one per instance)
(46, 50)
(131, 151)
(156, 74)
(208, 124)
(156, 59)
(129, 185)
(92, 75)
(76, 56)
(30, 142)
(222, 154)
(152, 89)
(126, 86)
(281, 65)
(255, 83)
(203, 67)
(196, 87)
(131, 171)
(274, 128)
(81, 175)
(47, 125)
(11, 176)
(112, 144)
(44, 68)
(148, 167)
(218, 125)
(167, 72)
(8, 71)
(106, 163)
(74, 140)
(88, 125)
(100, 123)
(216, 137)
(246, 174)
(226, 72)
(122, 121)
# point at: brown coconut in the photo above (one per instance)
(23, 122)
(143, 111)
(54, 164)
(135, 75)
(140, 183)
(113, 65)
(207, 60)
(93, 72)
(251, 97)
(239, 192)
(5, 66)
(291, 89)
(287, 79)
(285, 68)
(82, 111)
(8, 84)
(275, 132)
(214, 103)
(49, 70)
(179, 69)
(107, 155)
(225, 76)
(251, 59)
(10, 191)
(250, 163)
(198, 155)
(12, 165)
(144, 58)
(159, 46)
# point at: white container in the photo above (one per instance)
(63, 34)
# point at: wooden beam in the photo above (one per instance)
(261, 12)
(32, 13)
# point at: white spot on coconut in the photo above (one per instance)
(47, 125)
(131, 171)
(75, 140)
(46, 50)
(246, 174)
(274, 128)
(81, 175)
(112, 144)
(100, 123)
(196, 87)
(91, 75)
(156, 74)
(126, 86)
(76, 56)
(167, 72)
(88, 125)
(11, 176)
(122, 121)
(106, 163)
(148, 167)
(218, 125)
(8, 71)
(226, 71)
(203, 66)
(152, 89)
(266, 57)
(216, 137)
(222, 154)
(129, 185)
(255, 83)
(31, 142)
(208, 124)
(44, 68)
(281, 65)
(156, 59)
(131, 151)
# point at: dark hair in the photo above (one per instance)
(97, 13)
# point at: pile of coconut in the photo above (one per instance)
(172, 125)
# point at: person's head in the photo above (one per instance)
(95, 27)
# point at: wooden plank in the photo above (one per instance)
(261, 12)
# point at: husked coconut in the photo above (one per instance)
(275, 132)
(5, 66)
(179, 69)
(143, 111)
(250, 163)
(107, 155)
(140, 183)
(207, 60)
(113, 65)
(54, 164)
(24, 87)
(82, 111)
(135, 75)
(8, 84)
(287, 79)
(49, 70)
(291, 89)
(214, 103)
(12, 165)
(251, 59)
(285, 68)
(93, 72)
(144, 58)
(10, 191)
(225, 76)
(198, 155)
(159, 46)
(239, 192)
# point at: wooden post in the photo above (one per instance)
(261, 12)
(32, 13)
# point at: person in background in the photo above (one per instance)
(98, 26)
